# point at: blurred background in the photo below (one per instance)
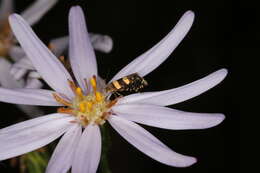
(135, 27)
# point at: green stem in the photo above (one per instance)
(106, 143)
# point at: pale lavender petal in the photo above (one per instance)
(88, 151)
(31, 123)
(6, 79)
(6, 8)
(82, 56)
(167, 118)
(59, 45)
(24, 62)
(32, 134)
(61, 159)
(28, 96)
(37, 10)
(102, 43)
(34, 74)
(148, 144)
(16, 53)
(151, 59)
(177, 95)
(19, 73)
(33, 83)
(49, 67)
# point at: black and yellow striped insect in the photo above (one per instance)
(129, 83)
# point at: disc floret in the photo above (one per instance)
(90, 108)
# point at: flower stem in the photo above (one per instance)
(106, 143)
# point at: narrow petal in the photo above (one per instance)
(6, 8)
(61, 159)
(37, 10)
(151, 59)
(16, 53)
(6, 79)
(34, 74)
(24, 63)
(49, 67)
(32, 134)
(177, 95)
(103, 43)
(33, 83)
(59, 45)
(88, 151)
(148, 144)
(19, 73)
(82, 56)
(163, 117)
(28, 96)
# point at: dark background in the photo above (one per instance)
(210, 45)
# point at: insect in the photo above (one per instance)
(130, 83)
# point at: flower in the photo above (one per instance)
(89, 107)
(13, 75)
(8, 48)
(103, 43)
(32, 15)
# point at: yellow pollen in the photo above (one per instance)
(82, 107)
(89, 106)
(92, 107)
(93, 83)
(98, 96)
(79, 92)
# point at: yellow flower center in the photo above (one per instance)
(91, 108)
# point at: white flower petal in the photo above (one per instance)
(163, 117)
(59, 45)
(6, 8)
(31, 123)
(24, 63)
(34, 74)
(177, 95)
(28, 96)
(103, 43)
(49, 67)
(87, 154)
(61, 159)
(6, 79)
(148, 144)
(33, 83)
(19, 74)
(37, 10)
(32, 134)
(151, 59)
(82, 56)
(16, 53)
